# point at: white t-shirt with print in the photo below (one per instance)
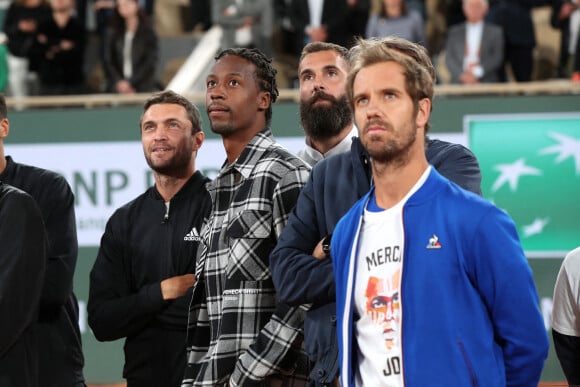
(377, 294)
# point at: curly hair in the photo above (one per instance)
(265, 72)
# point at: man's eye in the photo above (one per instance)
(210, 84)
(234, 82)
(361, 101)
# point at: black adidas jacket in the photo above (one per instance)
(142, 245)
(22, 264)
(60, 353)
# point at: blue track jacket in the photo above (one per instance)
(470, 313)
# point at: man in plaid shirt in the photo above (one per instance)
(239, 334)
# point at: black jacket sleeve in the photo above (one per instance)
(114, 309)
(22, 264)
(60, 224)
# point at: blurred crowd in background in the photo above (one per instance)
(64, 47)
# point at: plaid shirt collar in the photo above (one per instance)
(251, 154)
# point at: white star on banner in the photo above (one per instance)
(511, 173)
(536, 227)
(567, 147)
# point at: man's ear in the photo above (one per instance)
(4, 128)
(198, 138)
(423, 113)
(264, 100)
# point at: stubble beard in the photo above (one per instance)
(391, 152)
(325, 121)
(222, 129)
(173, 166)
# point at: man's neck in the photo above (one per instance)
(394, 180)
(326, 144)
(168, 186)
(235, 143)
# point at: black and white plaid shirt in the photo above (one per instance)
(239, 333)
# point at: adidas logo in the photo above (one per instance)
(192, 236)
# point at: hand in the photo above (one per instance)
(318, 253)
(124, 87)
(467, 78)
(27, 25)
(317, 34)
(66, 45)
(174, 287)
(566, 10)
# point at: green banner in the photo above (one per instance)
(530, 165)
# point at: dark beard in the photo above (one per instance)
(322, 122)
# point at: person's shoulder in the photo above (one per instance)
(415, 15)
(15, 198)
(491, 28)
(442, 148)
(572, 259)
(41, 175)
(277, 154)
(456, 28)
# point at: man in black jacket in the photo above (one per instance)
(300, 273)
(22, 263)
(141, 280)
(60, 353)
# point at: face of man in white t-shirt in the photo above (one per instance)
(383, 306)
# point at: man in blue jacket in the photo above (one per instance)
(334, 185)
(432, 285)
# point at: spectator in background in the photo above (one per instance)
(515, 19)
(145, 264)
(61, 46)
(245, 23)
(132, 51)
(474, 49)
(103, 11)
(358, 16)
(454, 12)
(566, 17)
(21, 26)
(419, 6)
(22, 264)
(200, 14)
(566, 318)
(320, 21)
(394, 18)
(60, 353)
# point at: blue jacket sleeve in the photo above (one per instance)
(299, 277)
(501, 273)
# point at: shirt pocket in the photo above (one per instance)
(251, 224)
(250, 243)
